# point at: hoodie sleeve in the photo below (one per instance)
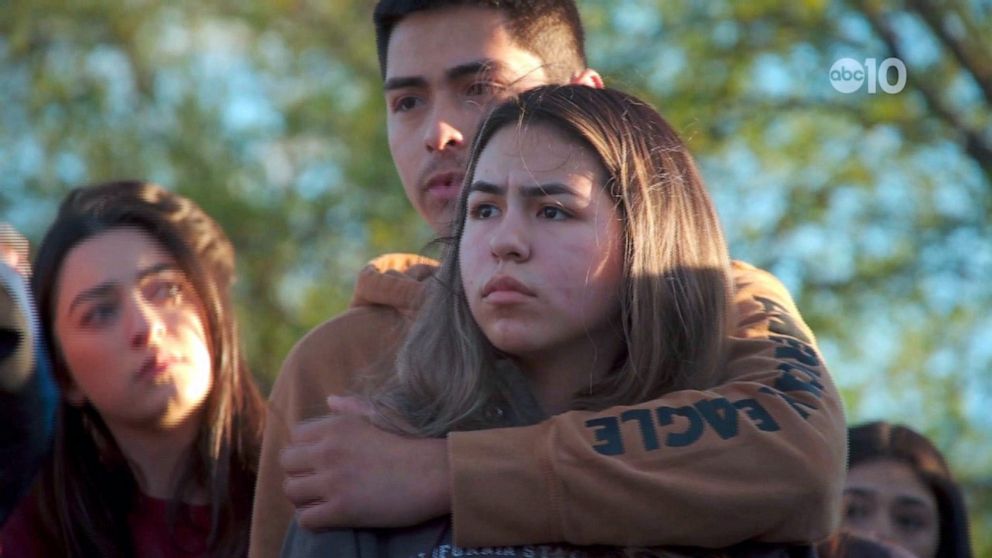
(327, 361)
(759, 457)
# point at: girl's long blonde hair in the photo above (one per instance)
(676, 293)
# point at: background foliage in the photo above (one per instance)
(873, 208)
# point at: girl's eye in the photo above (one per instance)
(855, 511)
(484, 211)
(100, 314)
(554, 213)
(910, 522)
(165, 291)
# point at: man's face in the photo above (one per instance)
(445, 69)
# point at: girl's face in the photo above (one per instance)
(131, 330)
(885, 499)
(541, 256)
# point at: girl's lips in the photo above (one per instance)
(155, 366)
(503, 285)
(506, 297)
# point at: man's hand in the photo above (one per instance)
(344, 472)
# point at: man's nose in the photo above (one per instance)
(443, 131)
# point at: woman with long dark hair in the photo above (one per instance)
(158, 432)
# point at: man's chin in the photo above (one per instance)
(440, 215)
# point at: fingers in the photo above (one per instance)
(318, 506)
(313, 430)
(319, 445)
(325, 515)
(310, 444)
(349, 405)
(298, 459)
(303, 490)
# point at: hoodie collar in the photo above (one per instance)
(394, 280)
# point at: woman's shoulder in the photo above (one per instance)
(151, 531)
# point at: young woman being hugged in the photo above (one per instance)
(158, 432)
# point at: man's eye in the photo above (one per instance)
(406, 103)
(481, 89)
(554, 213)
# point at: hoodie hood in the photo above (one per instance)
(395, 280)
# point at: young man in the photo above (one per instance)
(760, 458)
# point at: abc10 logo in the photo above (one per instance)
(847, 75)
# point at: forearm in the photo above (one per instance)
(698, 468)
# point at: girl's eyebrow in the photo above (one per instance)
(157, 268)
(535, 191)
(106, 288)
(860, 492)
(912, 501)
(102, 290)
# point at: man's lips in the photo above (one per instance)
(504, 285)
(444, 185)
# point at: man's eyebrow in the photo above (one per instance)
(105, 289)
(473, 68)
(404, 82)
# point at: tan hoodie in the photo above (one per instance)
(761, 457)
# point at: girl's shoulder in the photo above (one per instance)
(22, 533)
(153, 535)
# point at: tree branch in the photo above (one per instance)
(979, 67)
(974, 143)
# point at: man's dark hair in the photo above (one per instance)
(550, 29)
